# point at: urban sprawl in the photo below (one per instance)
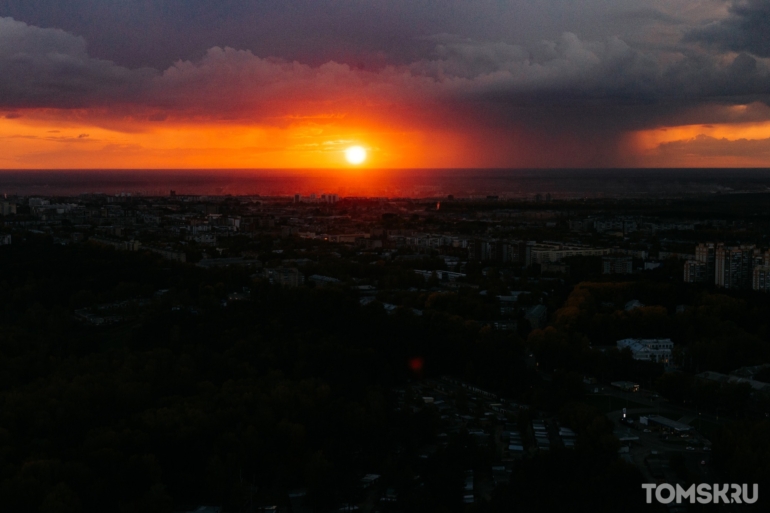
(627, 308)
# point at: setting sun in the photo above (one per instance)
(355, 154)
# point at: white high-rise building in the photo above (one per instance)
(649, 349)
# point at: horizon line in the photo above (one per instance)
(364, 169)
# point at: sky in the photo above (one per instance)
(417, 83)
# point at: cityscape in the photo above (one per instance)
(500, 337)
(384, 256)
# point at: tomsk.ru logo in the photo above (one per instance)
(703, 493)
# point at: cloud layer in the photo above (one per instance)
(746, 29)
(51, 68)
(484, 68)
(156, 33)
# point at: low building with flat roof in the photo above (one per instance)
(734, 380)
(668, 423)
(322, 281)
(624, 434)
(209, 263)
(626, 386)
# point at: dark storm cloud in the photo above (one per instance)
(747, 29)
(157, 33)
(51, 68)
(569, 70)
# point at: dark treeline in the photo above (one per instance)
(734, 206)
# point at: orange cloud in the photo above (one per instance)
(713, 145)
(651, 139)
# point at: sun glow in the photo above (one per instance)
(355, 154)
(52, 139)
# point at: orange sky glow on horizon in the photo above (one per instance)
(52, 139)
(48, 143)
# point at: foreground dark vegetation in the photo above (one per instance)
(193, 401)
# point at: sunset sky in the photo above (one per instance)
(417, 83)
